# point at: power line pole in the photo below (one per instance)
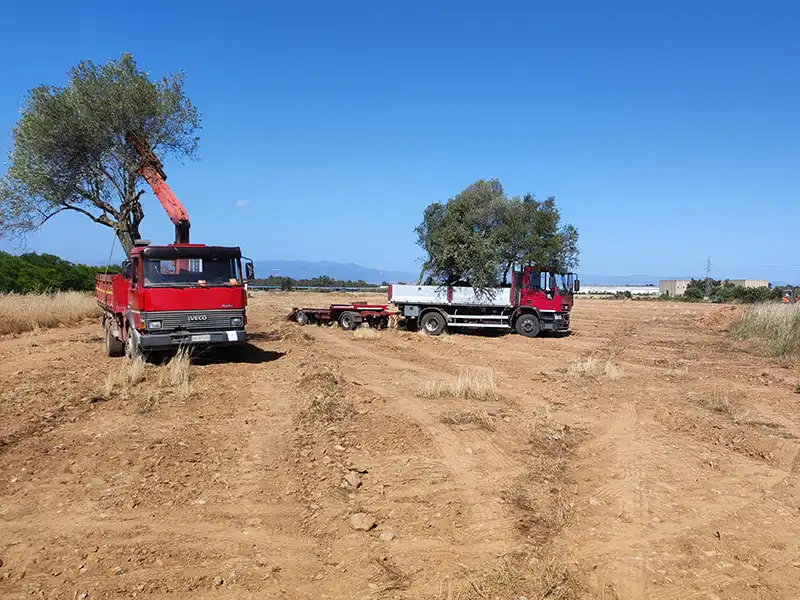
(708, 278)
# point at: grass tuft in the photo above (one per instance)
(365, 332)
(178, 373)
(775, 327)
(594, 367)
(477, 384)
(124, 378)
(26, 312)
(477, 418)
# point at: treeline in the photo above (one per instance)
(724, 291)
(323, 281)
(45, 273)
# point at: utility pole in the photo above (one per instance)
(708, 278)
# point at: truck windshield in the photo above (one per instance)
(189, 272)
(565, 281)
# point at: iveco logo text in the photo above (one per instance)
(198, 317)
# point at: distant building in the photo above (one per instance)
(677, 287)
(750, 283)
(673, 287)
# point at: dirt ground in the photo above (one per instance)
(647, 455)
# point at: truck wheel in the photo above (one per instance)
(114, 347)
(348, 320)
(301, 317)
(528, 325)
(433, 323)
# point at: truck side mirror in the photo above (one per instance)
(127, 271)
(577, 285)
(249, 271)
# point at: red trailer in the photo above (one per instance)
(348, 316)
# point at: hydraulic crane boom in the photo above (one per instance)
(153, 172)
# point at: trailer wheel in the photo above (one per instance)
(528, 325)
(301, 317)
(348, 320)
(433, 323)
(114, 346)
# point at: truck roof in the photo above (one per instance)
(174, 251)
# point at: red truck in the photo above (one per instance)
(177, 295)
(538, 299)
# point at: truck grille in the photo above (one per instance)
(194, 319)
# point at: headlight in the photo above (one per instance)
(236, 321)
(154, 324)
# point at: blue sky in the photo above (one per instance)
(668, 132)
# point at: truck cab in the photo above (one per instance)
(550, 294)
(180, 295)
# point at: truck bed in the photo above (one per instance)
(452, 296)
(111, 292)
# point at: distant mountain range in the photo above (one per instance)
(345, 271)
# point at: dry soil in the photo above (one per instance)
(665, 467)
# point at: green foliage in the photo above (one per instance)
(725, 291)
(323, 281)
(70, 152)
(45, 273)
(478, 236)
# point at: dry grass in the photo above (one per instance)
(477, 418)
(775, 327)
(177, 374)
(477, 384)
(121, 381)
(721, 403)
(26, 312)
(129, 380)
(325, 386)
(365, 332)
(594, 367)
(529, 574)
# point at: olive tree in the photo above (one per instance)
(70, 149)
(479, 235)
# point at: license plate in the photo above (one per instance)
(201, 338)
(558, 317)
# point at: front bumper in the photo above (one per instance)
(555, 322)
(175, 339)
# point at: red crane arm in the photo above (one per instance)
(153, 172)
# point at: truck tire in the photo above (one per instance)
(349, 320)
(433, 323)
(528, 325)
(114, 346)
(301, 317)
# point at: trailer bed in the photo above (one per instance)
(348, 316)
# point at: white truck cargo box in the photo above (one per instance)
(453, 296)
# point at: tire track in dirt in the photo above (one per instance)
(480, 463)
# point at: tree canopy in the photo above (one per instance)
(70, 152)
(478, 236)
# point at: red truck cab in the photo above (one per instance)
(173, 296)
